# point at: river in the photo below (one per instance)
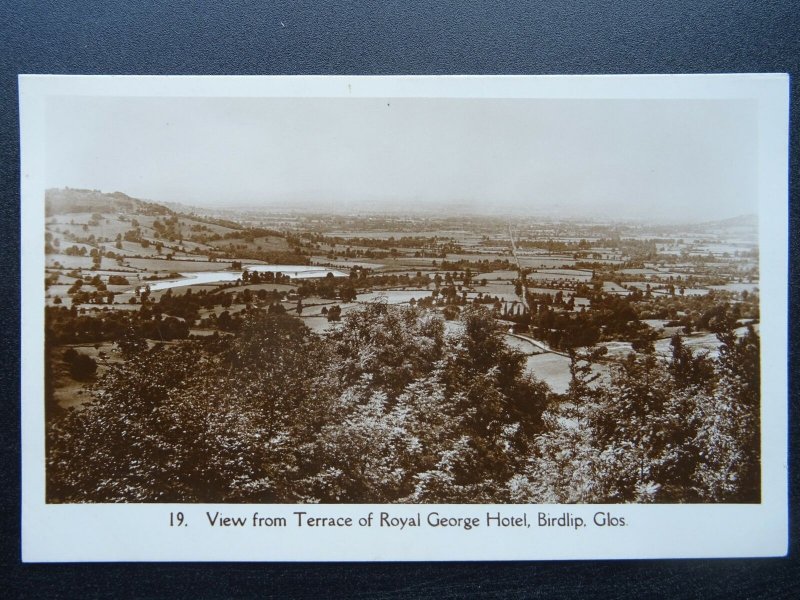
(206, 277)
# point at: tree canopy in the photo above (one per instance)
(392, 407)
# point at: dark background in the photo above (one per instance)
(369, 38)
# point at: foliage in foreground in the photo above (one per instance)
(389, 408)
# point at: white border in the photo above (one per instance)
(55, 533)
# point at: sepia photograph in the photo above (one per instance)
(401, 298)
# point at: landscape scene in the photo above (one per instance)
(323, 351)
(322, 358)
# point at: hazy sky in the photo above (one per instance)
(666, 159)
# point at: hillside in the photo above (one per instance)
(69, 200)
(738, 222)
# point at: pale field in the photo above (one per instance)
(59, 289)
(721, 248)
(551, 291)
(495, 287)
(652, 272)
(642, 285)
(686, 292)
(131, 249)
(270, 287)
(320, 324)
(69, 262)
(478, 257)
(737, 287)
(346, 263)
(580, 303)
(560, 275)
(394, 296)
(553, 369)
(655, 323)
(614, 288)
(412, 262)
(422, 271)
(496, 275)
(161, 265)
(268, 243)
(544, 262)
(504, 295)
(64, 245)
(70, 393)
(96, 309)
(522, 345)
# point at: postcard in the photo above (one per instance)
(404, 318)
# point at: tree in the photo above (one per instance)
(450, 312)
(225, 322)
(82, 367)
(131, 343)
(731, 428)
(688, 369)
(347, 292)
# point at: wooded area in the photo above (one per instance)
(390, 408)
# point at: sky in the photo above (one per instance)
(671, 160)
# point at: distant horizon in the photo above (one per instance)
(676, 160)
(428, 211)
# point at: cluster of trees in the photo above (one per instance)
(81, 366)
(334, 313)
(551, 319)
(682, 431)
(704, 311)
(100, 295)
(631, 246)
(169, 228)
(256, 277)
(132, 235)
(74, 251)
(251, 234)
(287, 251)
(92, 297)
(366, 278)
(433, 243)
(328, 287)
(67, 326)
(480, 266)
(387, 408)
(609, 316)
(166, 319)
